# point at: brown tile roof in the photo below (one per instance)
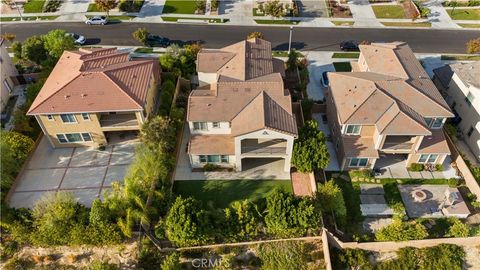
(95, 80)
(247, 87)
(211, 145)
(356, 146)
(395, 92)
(434, 144)
(264, 112)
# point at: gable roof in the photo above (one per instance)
(249, 90)
(394, 94)
(95, 80)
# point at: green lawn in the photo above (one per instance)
(93, 8)
(120, 18)
(389, 11)
(464, 14)
(407, 24)
(461, 57)
(33, 6)
(342, 66)
(352, 55)
(179, 7)
(469, 25)
(276, 22)
(174, 19)
(29, 18)
(221, 193)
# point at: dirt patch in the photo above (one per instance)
(472, 258)
(124, 256)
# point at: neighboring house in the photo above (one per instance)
(241, 109)
(460, 83)
(386, 111)
(92, 93)
(8, 72)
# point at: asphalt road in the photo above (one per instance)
(216, 36)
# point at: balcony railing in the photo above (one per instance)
(119, 120)
(264, 150)
(397, 146)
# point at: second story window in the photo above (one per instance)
(469, 99)
(86, 117)
(353, 129)
(68, 118)
(435, 123)
(216, 124)
(199, 125)
(50, 117)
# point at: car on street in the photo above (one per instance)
(97, 20)
(349, 45)
(157, 41)
(325, 79)
(79, 39)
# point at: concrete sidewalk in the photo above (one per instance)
(363, 14)
(438, 15)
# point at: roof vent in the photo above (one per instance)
(67, 96)
(84, 95)
(248, 89)
(134, 76)
(209, 104)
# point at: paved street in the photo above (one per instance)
(216, 36)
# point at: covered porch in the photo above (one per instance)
(395, 166)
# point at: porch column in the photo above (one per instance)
(288, 157)
(238, 154)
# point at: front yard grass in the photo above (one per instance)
(29, 18)
(93, 8)
(352, 55)
(34, 6)
(407, 24)
(276, 22)
(469, 25)
(174, 19)
(220, 193)
(464, 14)
(460, 57)
(389, 11)
(120, 18)
(342, 66)
(179, 7)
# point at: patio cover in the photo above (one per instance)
(211, 145)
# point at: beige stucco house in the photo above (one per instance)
(387, 108)
(460, 83)
(94, 93)
(241, 109)
(8, 71)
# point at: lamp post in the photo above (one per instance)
(290, 40)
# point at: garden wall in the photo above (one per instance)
(394, 246)
(467, 175)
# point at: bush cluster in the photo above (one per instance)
(416, 167)
(130, 5)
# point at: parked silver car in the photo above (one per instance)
(97, 20)
(79, 39)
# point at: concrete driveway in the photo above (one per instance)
(84, 171)
(318, 62)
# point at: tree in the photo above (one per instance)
(186, 224)
(106, 5)
(274, 8)
(310, 150)
(240, 221)
(171, 262)
(458, 229)
(17, 49)
(473, 46)
(292, 61)
(255, 35)
(57, 41)
(215, 4)
(33, 49)
(401, 231)
(141, 35)
(19, 144)
(200, 5)
(8, 36)
(159, 132)
(330, 198)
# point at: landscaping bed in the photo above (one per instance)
(343, 23)
(28, 18)
(352, 55)
(222, 193)
(338, 11)
(407, 24)
(342, 66)
(276, 22)
(389, 11)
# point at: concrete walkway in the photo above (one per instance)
(438, 15)
(74, 10)
(238, 11)
(363, 14)
(151, 11)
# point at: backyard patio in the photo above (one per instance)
(394, 166)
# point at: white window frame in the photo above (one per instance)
(221, 159)
(357, 165)
(216, 124)
(202, 157)
(50, 117)
(428, 158)
(75, 118)
(64, 135)
(469, 98)
(87, 116)
(353, 133)
(201, 126)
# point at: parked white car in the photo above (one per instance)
(79, 39)
(97, 20)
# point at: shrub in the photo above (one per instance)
(402, 231)
(310, 149)
(200, 5)
(330, 198)
(439, 167)
(52, 5)
(130, 5)
(361, 173)
(473, 46)
(458, 229)
(141, 35)
(101, 265)
(171, 262)
(210, 167)
(16, 263)
(255, 35)
(288, 255)
(240, 221)
(416, 167)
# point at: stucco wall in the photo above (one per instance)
(206, 78)
(7, 69)
(195, 161)
(223, 129)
